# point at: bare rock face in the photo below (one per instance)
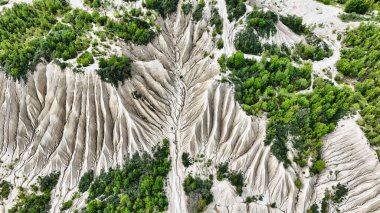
(67, 122)
(61, 121)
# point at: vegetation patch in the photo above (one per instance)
(295, 23)
(198, 192)
(235, 9)
(137, 186)
(330, 200)
(216, 21)
(95, 3)
(5, 189)
(114, 69)
(273, 86)
(39, 200)
(186, 8)
(86, 180)
(163, 7)
(358, 6)
(198, 12)
(186, 159)
(263, 22)
(67, 205)
(360, 61)
(347, 17)
(260, 24)
(4, 2)
(85, 59)
(236, 178)
(315, 49)
(31, 32)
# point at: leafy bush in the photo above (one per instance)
(186, 7)
(313, 209)
(298, 183)
(237, 180)
(5, 189)
(86, 180)
(94, 3)
(315, 49)
(85, 59)
(216, 21)
(198, 192)
(357, 6)
(47, 183)
(66, 205)
(186, 159)
(235, 9)
(4, 2)
(222, 62)
(222, 171)
(263, 22)
(115, 69)
(340, 193)
(220, 44)
(295, 23)
(198, 12)
(318, 166)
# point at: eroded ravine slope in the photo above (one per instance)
(70, 122)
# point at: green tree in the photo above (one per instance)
(357, 6)
(318, 166)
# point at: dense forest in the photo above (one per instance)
(279, 89)
(136, 186)
(360, 62)
(31, 32)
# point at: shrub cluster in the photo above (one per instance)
(137, 186)
(39, 200)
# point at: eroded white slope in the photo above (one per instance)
(61, 121)
(71, 122)
(350, 160)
